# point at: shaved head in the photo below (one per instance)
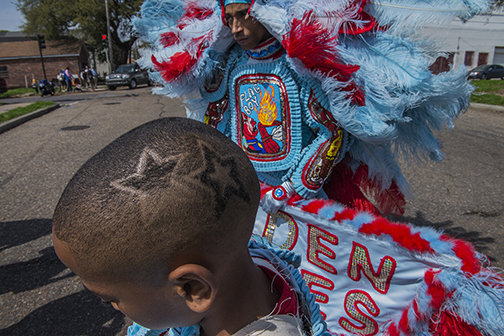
(168, 192)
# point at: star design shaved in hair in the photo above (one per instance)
(222, 175)
(150, 169)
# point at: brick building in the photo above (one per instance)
(22, 60)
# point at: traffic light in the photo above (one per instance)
(104, 40)
(41, 41)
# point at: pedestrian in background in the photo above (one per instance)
(68, 79)
(84, 79)
(95, 77)
(61, 80)
(90, 78)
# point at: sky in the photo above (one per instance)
(10, 17)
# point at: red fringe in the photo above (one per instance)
(465, 251)
(392, 330)
(400, 233)
(294, 199)
(347, 214)
(450, 325)
(404, 322)
(314, 206)
(435, 289)
(168, 39)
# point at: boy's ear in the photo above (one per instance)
(196, 284)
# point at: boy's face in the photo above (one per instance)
(154, 307)
(247, 33)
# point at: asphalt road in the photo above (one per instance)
(462, 195)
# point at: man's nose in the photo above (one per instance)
(236, 27)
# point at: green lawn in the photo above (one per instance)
(15, 92)
(19, 111)
(487, 92)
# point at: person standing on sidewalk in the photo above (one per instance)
(68, 79)
(90, 78)
(84, 78)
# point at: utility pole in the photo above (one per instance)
(41, 45)
(109, 39)
(105, 46)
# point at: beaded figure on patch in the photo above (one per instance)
(321, 96)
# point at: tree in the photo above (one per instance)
(58, 19)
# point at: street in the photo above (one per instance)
(462, 195)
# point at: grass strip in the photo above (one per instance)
(488, 86)
(19, 111)
(16, 92)
(490, 99)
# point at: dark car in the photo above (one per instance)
(486, 72)
(127, 75)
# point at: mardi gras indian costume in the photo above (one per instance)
(328, 103)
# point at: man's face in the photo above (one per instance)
(247, 32)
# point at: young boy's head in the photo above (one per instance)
(247, 32)
(156, 218)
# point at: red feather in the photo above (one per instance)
(400, 233)
(169, 39)
(313, 44)
(193, 12)
(450, 325)
(179, 64)
(358, 191)
(314, 206)
(465, 252)
(368, 22)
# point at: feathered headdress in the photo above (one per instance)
(364, 54)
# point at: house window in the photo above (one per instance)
(482, 59)
(468, 59)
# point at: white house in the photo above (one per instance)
(475, 42)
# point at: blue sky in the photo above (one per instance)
(10, 17)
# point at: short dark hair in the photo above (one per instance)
(167, 187)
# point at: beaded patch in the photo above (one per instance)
(266, 50)
(263, 116)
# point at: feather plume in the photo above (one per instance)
(358, 191)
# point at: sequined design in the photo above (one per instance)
(361, 261)
(313, 279)
(315, 247)
(368, 326)
(266, 50)
(320, 166)
(263, 117)
(320, 114)
(215, 112)
(272, 223)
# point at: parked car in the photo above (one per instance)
(486, 72)
(127, 75)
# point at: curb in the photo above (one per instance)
(5, 126)
(497, 108)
